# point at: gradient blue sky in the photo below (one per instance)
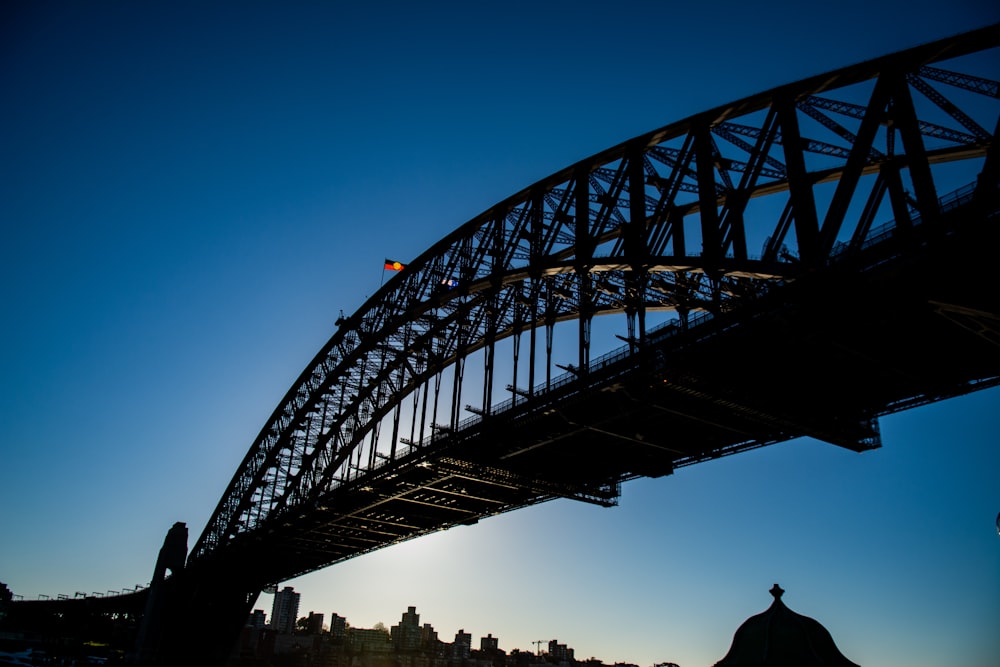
(191, 192)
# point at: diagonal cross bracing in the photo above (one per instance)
(657, 223)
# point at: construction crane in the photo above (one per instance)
(538, 645)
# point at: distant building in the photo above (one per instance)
(6, 597)
(338, 627)
(372, 640)
(560, 652)
(314, 624)
(489, 644)
(429, 638)
(462, 647)
(285, 610)
(257, 619)
(407, 635)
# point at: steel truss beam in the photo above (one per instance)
(663, 221)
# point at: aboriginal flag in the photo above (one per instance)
(393, 265)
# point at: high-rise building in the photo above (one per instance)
(315, 623)
(257, 619)
(560, 652)
(462, 648)
(338, 627)
(406, 636)
(489, 644)
(285, 610)
(428, 636)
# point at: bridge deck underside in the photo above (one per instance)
(822, 357)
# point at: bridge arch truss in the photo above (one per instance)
(686, 222)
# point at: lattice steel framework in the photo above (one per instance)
(668, 221)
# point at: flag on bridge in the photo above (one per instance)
(393, 265)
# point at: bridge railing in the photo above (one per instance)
(946, 202)
(604, 362)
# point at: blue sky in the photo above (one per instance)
(191, 192)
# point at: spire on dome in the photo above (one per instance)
(780, 637)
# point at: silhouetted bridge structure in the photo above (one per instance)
(797, 263)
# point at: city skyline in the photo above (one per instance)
(191, 196)
(409, 618)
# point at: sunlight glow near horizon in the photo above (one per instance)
(192, 193)
(795, 501)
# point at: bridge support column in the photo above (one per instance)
(202, 615)
(194, 617)
(172, 555)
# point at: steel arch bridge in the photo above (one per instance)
(666, 222)
(795, 263)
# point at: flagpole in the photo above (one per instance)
(390, 265)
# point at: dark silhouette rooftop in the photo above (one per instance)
(779, 637)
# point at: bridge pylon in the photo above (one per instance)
(192, 617)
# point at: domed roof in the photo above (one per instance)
(779, 637)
